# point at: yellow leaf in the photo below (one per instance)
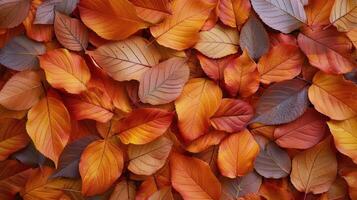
(343, 15)
(218, 42)
(345, 136)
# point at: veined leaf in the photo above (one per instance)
(101, 164)
(318, 12)
(236, 154)
(111, 19)
(315, 169)
(49, 126)
(241, 76)
(198, 102)
(214, 68)
(127, 59)
(254, 38)
(282, 102)
(331, 96)
(352, 35)
(13, 137)
(13, 12)
(204, 142)
(218, 42)
(124, 190)
(327, 50)
(152, 11)
(144, 125)
(162, 194)
(70, 32)
(232, 115)
(282, 62)
(303, 133)
(180, 30)
(190, 184)
(21, 91)
(282, 15)
(21, 54)
(343, 15)
(148, 158)
(65, 70)
(345, 136)
(234, 13)
(164, 82)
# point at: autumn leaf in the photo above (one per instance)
(234, 12)
(331, 96)
(232, 115)
(345, 137)
(241, 76)
(214, 68)
(204, 142)
(198, 102)
(70, 32)
(65, 70)
(152, 11)
(343, 15)
(303, 133)
(94, 163)
(318, 12)
(164, 82)
(327, 50)
(21, 91)
(9, 18)
(218, 42)
(239, 187)
(48, 126)
(282, 102)
(282, 62)
(124, 190)
(111, 19)
(180, 30)
(189, 183)
(315, 169)
(236, 154)
(285, 17)
(148, 158)
(126, 60)
(144, 125)
(13, 137)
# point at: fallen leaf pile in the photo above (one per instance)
(178, 99)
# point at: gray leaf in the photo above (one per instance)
(254, 38)
(282, 102)
(273, 162)
(21, 54)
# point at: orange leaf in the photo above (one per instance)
(303, 133)
(111, 19)
(191, 184)
(180, 30)
(315, 169)
(241, 76)
(198, 102)
(234, 12)
(214, 68)
(148, 158)
(351, 179)
(152, 11)
(276, 190)
(21, 91)
(91, 104)
(65, 70)
(352, 35)
(101, 164)
(232, 115)
(345, 136)
(144, 125)
(162, 194)
(343, 15)
(48, 126)
(237, 153)
(318, 12)
(327, 50)
(204, 142)
(282, 62)
(333, 96)
(13, 137)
